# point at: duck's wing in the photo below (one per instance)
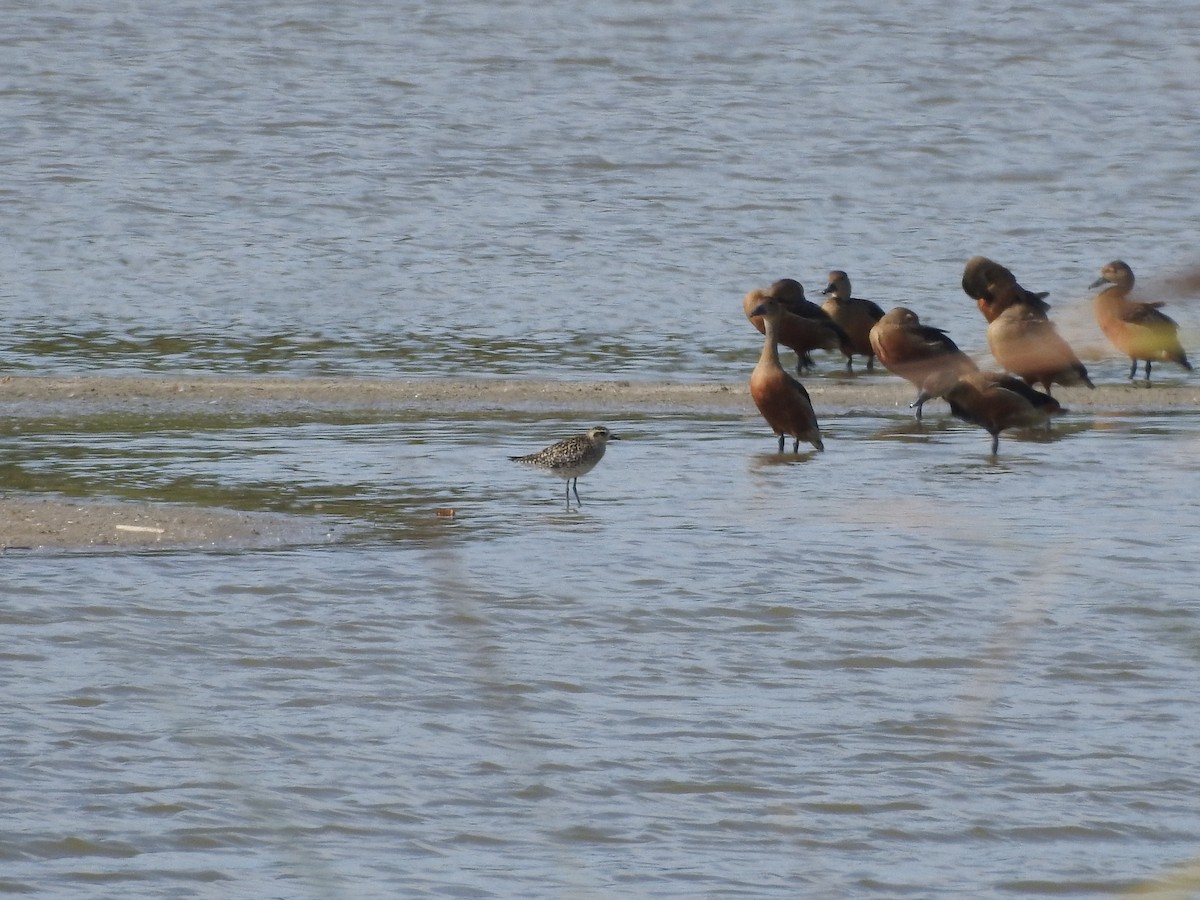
(797, 389)
(1148, 314)
(936, 338)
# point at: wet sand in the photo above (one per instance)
(32, 397)
(35, 522)
(40, 523)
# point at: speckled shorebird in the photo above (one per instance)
(572, 457)
(994, 289)
(855, 316)
(781, 399)
(1135, 328)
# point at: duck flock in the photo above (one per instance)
(1020, 334)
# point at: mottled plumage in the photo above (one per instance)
(572, 457)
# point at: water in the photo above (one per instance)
(898, 668)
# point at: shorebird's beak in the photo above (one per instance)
(829, 289)
(1099, 281)
(760, 310)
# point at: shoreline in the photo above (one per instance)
(31, 396)
(32, 522)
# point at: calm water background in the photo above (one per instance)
(895, 669)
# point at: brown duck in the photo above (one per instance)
(1029, 346)
(994, 289)
(924, 355)
(1135, 328)
(781, 399)
(804, 326)
(996, 401)
(854, 315)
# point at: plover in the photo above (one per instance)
(572, 457)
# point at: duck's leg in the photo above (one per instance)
(918, 403)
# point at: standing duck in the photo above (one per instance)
(1029, 346)
(924, 355)
(804, 326)
(996, 401)
(855, 316)
(1135, 328)
(781, 399)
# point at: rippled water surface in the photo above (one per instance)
(895, 668)
(899, 668)
(559, 189)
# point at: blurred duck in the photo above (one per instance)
(855, 316)
(1029, 346)
(804, 326)
(781, 399)
(996, 401)
(994, 289)
(1135, 328)
(921, 354)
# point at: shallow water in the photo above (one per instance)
(896, 669)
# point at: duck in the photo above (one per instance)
(997, 401)
(1029, 346)
(994, 289)
(781, 399)
(1136, 328)
(921, 354)
(854, 315)
(804, 327)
